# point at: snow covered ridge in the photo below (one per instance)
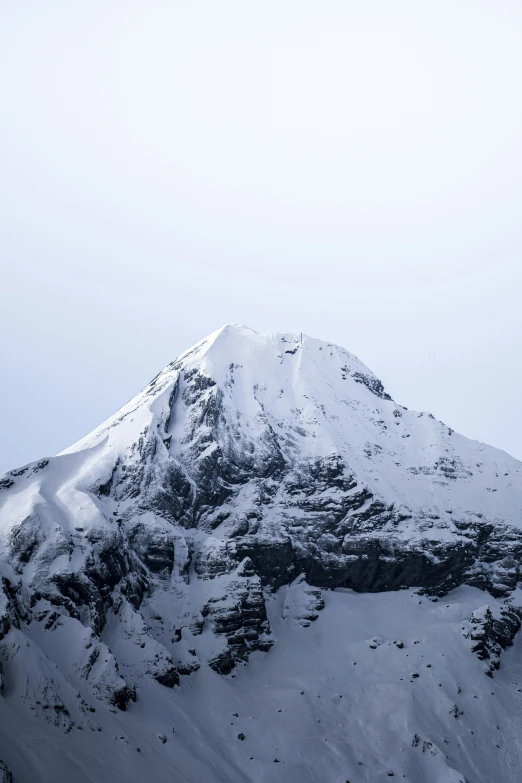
(205, 523)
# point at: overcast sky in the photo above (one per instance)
(348, 169)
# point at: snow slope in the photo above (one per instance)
(263, 519)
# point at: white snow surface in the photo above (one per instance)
(323, 702)
(328, 703)
(305, 391)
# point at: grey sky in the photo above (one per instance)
(352, 170)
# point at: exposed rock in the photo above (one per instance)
(250, 464)
(5, 774)
(239, 616)
(123, 696)
(154, 547)
(492, 631)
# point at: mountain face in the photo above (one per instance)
(262, 568)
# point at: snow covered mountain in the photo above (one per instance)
(262, 569)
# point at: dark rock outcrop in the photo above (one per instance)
(243, 482)
(5, 775)
(492, 631)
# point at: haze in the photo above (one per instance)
(351, 170)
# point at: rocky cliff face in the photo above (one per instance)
(250, 462)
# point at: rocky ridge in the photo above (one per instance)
(250, 463)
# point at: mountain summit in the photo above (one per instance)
(168, 567)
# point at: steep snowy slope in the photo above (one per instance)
(207, 524)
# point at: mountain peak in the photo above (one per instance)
(254, 486)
